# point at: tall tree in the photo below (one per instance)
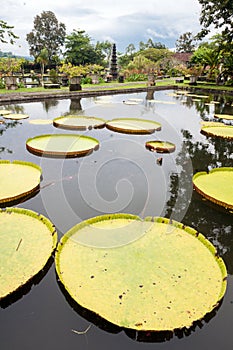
(43, 59)
(47, 33)
(219, 14)
(79, 50)
(104, 49)
(6, 33)
(185, 43)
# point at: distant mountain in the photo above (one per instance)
(11, 55)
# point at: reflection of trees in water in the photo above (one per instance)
(209, 219)
(47, 104)
(3, 128)
(14, 108)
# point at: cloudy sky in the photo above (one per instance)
(119, 21)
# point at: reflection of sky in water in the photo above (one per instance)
(122, 176)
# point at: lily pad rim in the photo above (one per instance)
(24, 194)
(78, 127)
(51, 228)
(204, 131)
(61, 154)
(161, 149)
(156, 126)
(157, 219)
(214, 200)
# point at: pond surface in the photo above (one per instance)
(121, 176)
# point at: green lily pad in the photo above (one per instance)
(216, 186)
(147, 275)
(28, 240)
(161, 146)
(16, 116)
(18, 180)
(78, 122)
(207, 123)
(224, 116)
(62, 145)
(225, 131)
(133, 125)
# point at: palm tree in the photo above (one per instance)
(43, 59)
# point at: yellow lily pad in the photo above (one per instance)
(161, 146)
(16, 116)
(225, 131)
(28, 240)
(133, 125)
(5, 112)
(62, 145)
(146, 275)
(224, 116)
(216, 186)
(76, 122)
(41, 121)
(18, 180)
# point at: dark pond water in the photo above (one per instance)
(122, 176)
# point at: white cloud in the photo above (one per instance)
(123, 22)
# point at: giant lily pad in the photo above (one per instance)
(78, 122)
(62, 145)
(216, 186)
(161, 146)
(4, 112)
(141, 274)
(133, 125)
(18, 180)
(225, 131)
(16, 116)
(224, 116)
(28, 240)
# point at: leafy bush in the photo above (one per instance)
(86, 80)
(137, 77)
(2, 84)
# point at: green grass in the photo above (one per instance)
(120, 86)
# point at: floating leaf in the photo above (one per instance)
(225, 131)
(62, 145)
(198, 96)
(18, 180)
(133, 125)
(28, 240)
(78, 122)
(161, 146)
(224, 116)
(206, 123)
(130, 102)
(16, 116)
(41, 121)
(141, 274)
(216, 186)
(4, 112)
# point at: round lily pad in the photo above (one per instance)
(4, 112)
(78, 122)
(208, 123)
(146, 275)
(62, 145)
(15, 116)
(133, 125)
(18, 180)
(216, 186)
(225, 131)
(41, 121)
(224, 116)
(161, 146)
(28, 240)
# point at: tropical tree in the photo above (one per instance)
(10, 65)
(79, 50)
(48, 34)
(43, 59)
(218, 14)
(104, 50)
(185, 43)
(6, 33)
(150, 44)
(154, 54)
